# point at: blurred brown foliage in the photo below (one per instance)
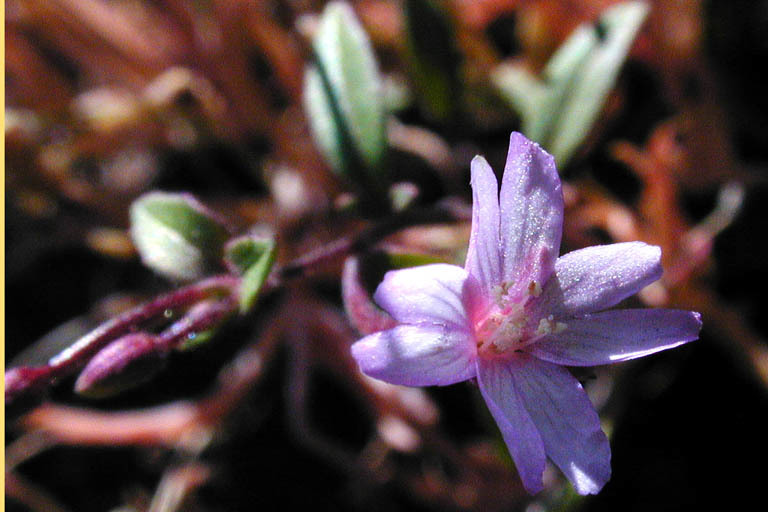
(108, 99)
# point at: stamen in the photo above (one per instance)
(548, 325)
(509, 327)
(500, 292)
(508, 335)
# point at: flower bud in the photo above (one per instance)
(123, 364)
(365, 316)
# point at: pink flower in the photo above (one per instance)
(516, 314)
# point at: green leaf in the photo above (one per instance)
(343, 96)
(434, 56)
(559, 76)
(253, 258)
(243, 252)
(559, 109)
(407, 260)
(327, 123)
(588, 94)
(540, 101)
(525, 93)
(175, 234)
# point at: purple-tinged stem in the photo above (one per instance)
(200, 318)
(26, 379)
(444, 212)
(136, 357)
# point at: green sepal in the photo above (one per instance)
(253, 259)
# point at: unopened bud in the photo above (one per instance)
(123, 364)
(365, 316)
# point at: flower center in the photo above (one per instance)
(500, 331)
(513, 324)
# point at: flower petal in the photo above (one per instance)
(599, 277)
(520, 434)
(483, 255)
(429, 294)
(414, 355)
(620, 335)
(531, 206)
(566, 421)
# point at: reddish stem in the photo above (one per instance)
(444, 212)
(197, 320)
(26, 380)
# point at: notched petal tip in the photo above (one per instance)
(650, 253)
(483, 256)
(598, 277)
(520, 145)
(531, 219)
(479, 160)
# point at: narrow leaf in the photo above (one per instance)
(434, 56)
(526, 94)
(540, 101)
(559, 108)
(327, 122)
(343, 94)
(621, 23)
